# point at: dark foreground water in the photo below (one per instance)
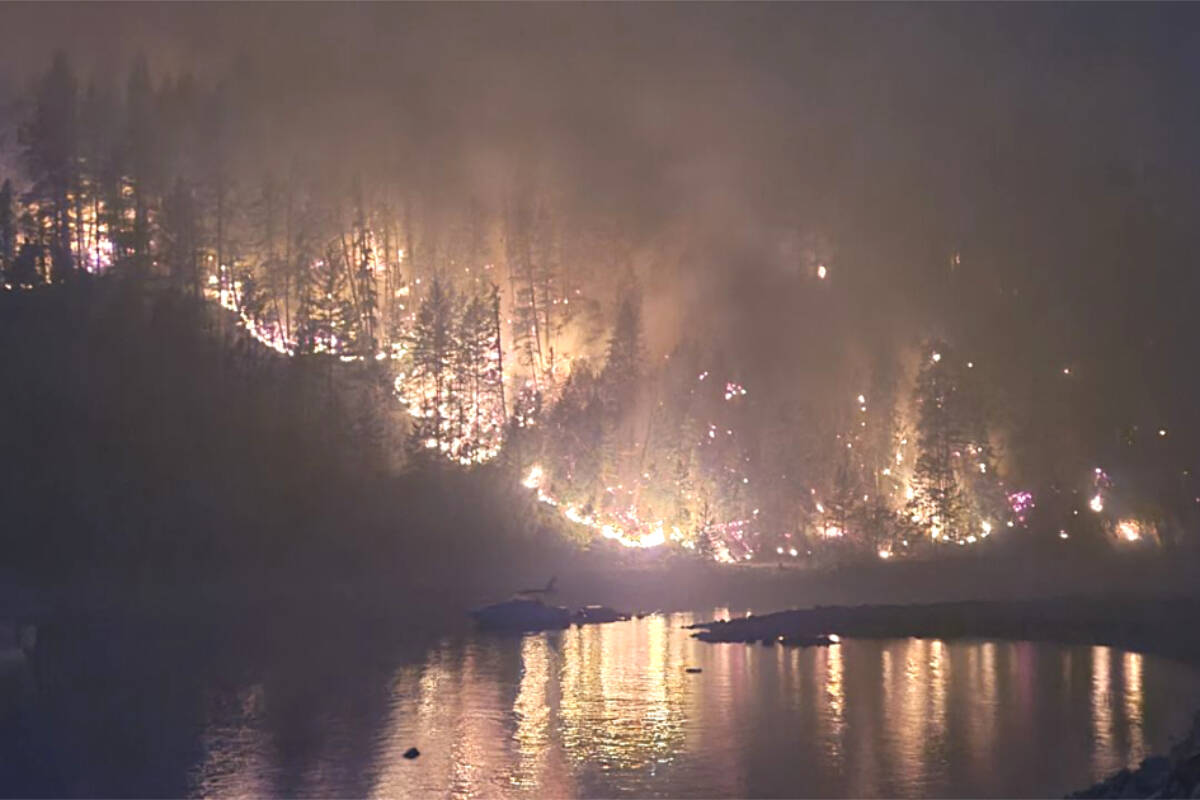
(598, 711)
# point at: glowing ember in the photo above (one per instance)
(1130, 530)
(1020, 503)
(534, 479)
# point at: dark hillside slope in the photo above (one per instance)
(143, 438)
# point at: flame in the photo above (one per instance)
(1130, 530)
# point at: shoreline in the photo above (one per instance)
(1160, 625)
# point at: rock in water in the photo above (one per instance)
(411, 753)
(693, 670)
(1152, 776)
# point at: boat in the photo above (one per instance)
(521, 614)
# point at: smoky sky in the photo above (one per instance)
(1053, 147)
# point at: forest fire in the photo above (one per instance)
(448, 399)
(451, 369)
(489, 325)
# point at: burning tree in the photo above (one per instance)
(956, 490)
(938, 500)
(325, 315)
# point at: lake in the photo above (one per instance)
(598, 711)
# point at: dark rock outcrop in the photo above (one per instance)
(1156, 624)
(1173, 775)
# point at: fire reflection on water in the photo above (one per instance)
(610, 709)
(1132, 663)
(1103, 751)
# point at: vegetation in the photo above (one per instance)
(377, 318)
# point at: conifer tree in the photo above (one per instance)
(51, 158)
(938, 499)
(8, 229)
(432, 345)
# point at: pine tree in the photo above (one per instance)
(983, 491)
(842, 507)
(182, 250)
(526, 316)
(51, 158)
(432, 346)
(98, 180)
(326, 316)
(266, 231)
(478, 383)
(625, 352)
(544, 274)
(938, 500)
(140, 143)
(8, 230)
(252, 297)
(366, 291)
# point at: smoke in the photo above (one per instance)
(735, 147)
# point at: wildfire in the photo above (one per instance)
(1129, 529)
(534, 479)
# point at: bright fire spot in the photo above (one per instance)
(534, 479)
(834, 638)
(1096, 503)
(822, 272)
(936, 357)
(885, 554)
(733, 390)
(1129, 530)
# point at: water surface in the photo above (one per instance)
(605, 711)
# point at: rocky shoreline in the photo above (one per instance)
(1174, 775)
(1164, 625)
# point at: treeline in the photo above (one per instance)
(180, 183)
(509, 322)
